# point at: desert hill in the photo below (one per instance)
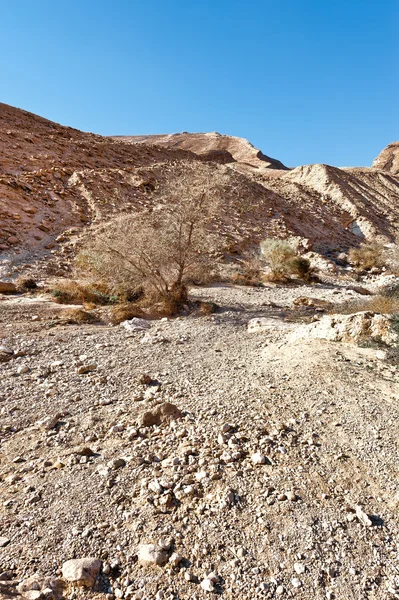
(213, 146)
(56, 182)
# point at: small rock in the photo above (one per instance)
(299, 568)
(81, 571)
(84, 369)
(258, 458)
(4, 541)
(152, 554)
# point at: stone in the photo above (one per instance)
(151, 554)
(4, 542)
(363, 517)
(258, 458)
(81, 571)
(135, 324)
(164, 412)
(349, 328)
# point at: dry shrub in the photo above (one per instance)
(368, 256)
(125, 312)
(283, 260)
(77, 316)
(207, 308)
(69, 291)
(250, 270)
(25, 284)
(381, 304)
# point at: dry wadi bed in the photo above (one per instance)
(275, 473)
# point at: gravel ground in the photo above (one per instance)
(278, 478)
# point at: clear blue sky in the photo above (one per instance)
(305, 80)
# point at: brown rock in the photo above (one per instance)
(7, 287)
(160, 414)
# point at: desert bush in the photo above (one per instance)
(68, 291)
(26, 284)
(283, 260)
(162, 250)
(124, 312)
(250, 269)
(368, 256)
(385, 305)
(77, 316)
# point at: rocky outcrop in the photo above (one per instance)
(388, 159)
(349, 328)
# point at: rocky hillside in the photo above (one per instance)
(57, 182)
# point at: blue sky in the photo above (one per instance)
(306, 81)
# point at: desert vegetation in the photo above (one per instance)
(283, 260)
(367, 256)
(153, 256)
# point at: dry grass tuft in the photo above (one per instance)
(368, 256)
(77, 316)
(69, 291)
(384, 305)
(124, 312)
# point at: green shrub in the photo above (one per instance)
(283, 260)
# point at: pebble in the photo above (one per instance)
(299, 568)
(258, 458)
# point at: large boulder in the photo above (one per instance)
(349, 328)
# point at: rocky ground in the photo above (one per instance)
(196, 458)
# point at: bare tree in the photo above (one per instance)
(162, 249)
